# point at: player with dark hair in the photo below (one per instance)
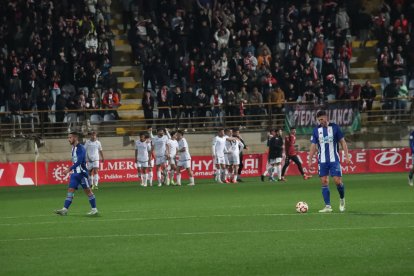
(236, 134)
(143, 157)
(325, 139)
(184, 161)
(94, 154)
(78, 176)
(410, 174)
(275, 156)
(291, 154)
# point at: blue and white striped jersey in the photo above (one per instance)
(79, 159)
(327, 139)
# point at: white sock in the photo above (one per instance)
(179, 178)
(192, 179)
(272, 171)
(96, 179)
(235, 177)
(150, 176)
(159, 176)
(217, 173)
(279, 171)
(92, 180)
(144, 179)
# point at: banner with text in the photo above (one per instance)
(302, 116)
(124, 170)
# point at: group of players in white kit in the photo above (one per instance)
(171, 155)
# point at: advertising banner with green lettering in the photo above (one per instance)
(303, 116)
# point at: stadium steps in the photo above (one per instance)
(128, 75)
(364, 67)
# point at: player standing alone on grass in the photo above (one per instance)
(275, 156)
(325, 139)
(184, 162)
(410, 175)
(94, 154)
(78, 176)
(291, 154)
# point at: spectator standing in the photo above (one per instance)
(164, 101)
(188, 100)
(202, 102)
(216, 102)
(368, 95)
(148, 106)
(15, 110)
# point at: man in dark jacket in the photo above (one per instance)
(188, 100)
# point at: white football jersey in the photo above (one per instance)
(160, 145)
(184, 155)
(219, 144)
(92, 150)
(173, 145)
(235, 146)
(143, 149)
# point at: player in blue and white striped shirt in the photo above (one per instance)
(79, 176)
(325, 139)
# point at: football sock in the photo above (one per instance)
(92, 179)
(68, 200)
(301, 169)
(279, 171)
(92, 200)
(217, 173)
(159, 176)
(191, 179)
(235, 178)
(96, 179)
(179, 178)
(150, 176)
(341, 190)
(226, 174)
(326, 195)
(410, 174)
(144, 179)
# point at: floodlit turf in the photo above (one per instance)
(211, 229)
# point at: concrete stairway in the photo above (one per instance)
(364, 66)
(128, 75)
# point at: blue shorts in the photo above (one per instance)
(331, 168)
(77, 179)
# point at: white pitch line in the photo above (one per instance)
(96, 219)
(208, 233)
(204, 208)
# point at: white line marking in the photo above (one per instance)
(207, 233)
(96, 219)
(143, 210)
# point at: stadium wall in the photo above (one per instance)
(23, 150)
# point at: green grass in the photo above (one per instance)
(211, 229)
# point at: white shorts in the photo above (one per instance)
(172, 160)
(226, 159)
(219, 160)
(92, 165)
(160, 160)
(275, 161)
(234, 159)
(184, 164)
(142, 164)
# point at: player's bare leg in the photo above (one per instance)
(95, 178)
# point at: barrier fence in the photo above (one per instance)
(252, 117)
(124, 170)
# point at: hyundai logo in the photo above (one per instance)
(388, 158)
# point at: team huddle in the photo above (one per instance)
(171, 155)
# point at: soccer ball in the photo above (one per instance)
(302, 207)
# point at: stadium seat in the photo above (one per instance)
(109, 117)
(96, 119)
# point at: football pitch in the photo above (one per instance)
(250, 228)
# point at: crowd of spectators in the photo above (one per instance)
(396, 52)
(55, 57)
(242, 54)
